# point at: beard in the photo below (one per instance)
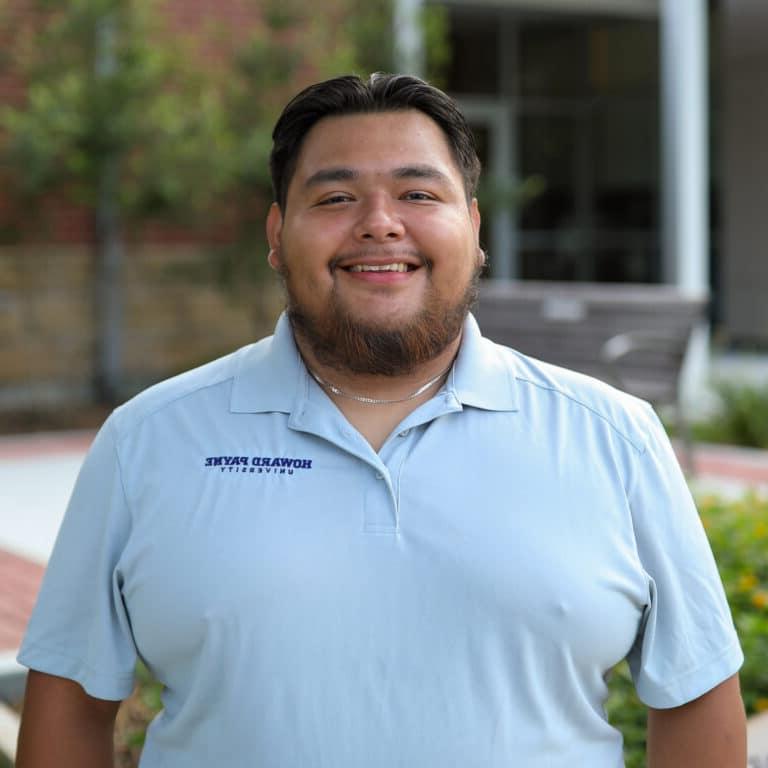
(346, 343)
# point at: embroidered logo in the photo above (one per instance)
(258, 465)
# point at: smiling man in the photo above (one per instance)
(375, 538)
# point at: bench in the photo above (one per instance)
(633, 336)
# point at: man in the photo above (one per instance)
(376, 538)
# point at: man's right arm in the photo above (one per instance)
(63, 726)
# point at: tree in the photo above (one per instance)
(116, 122)
(134, 121)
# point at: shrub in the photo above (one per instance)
(738, 532)
(741, 418)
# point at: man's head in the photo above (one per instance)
(351, 95)
(375, 232)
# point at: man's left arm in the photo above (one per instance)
(708, 732)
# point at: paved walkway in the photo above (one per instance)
(37, 473)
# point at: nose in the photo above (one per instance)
(379, 222)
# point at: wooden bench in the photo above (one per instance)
(633, 336)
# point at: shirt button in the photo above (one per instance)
(404, 433)
(379, 476)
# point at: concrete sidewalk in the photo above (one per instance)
(37, 473)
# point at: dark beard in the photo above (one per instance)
(344, 343)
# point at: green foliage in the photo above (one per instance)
(741, 419)
(504, 194)
(738, 533)
(99, 88)
(108, 82)
(365, 25)
(628, 714)
(435, 29)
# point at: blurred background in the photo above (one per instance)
(623, 141)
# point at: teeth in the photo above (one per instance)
(399, 267)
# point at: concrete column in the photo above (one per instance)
(410, 56)
(685, 138)
(685, 188)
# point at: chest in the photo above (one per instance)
(290, 547)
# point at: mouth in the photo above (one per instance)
(379, 263)
(394, 267)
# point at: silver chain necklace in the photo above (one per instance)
(374, 400)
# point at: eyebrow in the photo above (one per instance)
(420, 172)
(326, 175)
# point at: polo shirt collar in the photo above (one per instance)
(484, 374)
(271, 376)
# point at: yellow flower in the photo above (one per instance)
(761, 530)
(747, 581)
(760, 599)
(761, 704)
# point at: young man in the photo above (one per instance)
(376, 538)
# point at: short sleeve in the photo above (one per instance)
(688, 643)
(79, 627)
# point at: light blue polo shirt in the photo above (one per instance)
(455, 600)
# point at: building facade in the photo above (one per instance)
(587, 117)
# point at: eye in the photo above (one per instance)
(336, 198)
(418, 196)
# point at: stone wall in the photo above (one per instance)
(176, 315)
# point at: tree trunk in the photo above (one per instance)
(108, 247)
(109, 290)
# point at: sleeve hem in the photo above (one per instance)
(95, 683)
(695, 683)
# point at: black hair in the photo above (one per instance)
(349, 95)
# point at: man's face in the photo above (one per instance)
(377, 245)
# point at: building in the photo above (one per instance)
(623, 141)
(627, 141)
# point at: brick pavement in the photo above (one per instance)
(19, 582)
(20, 577)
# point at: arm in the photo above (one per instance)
(63, 726)
(708, 732)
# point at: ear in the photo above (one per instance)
(274, 232)
(474, 215)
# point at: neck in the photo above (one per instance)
(379, 387)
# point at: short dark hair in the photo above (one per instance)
(349, 95)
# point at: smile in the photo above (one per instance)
(397, 267)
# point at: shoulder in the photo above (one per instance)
(554, 392)
(210, 383)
